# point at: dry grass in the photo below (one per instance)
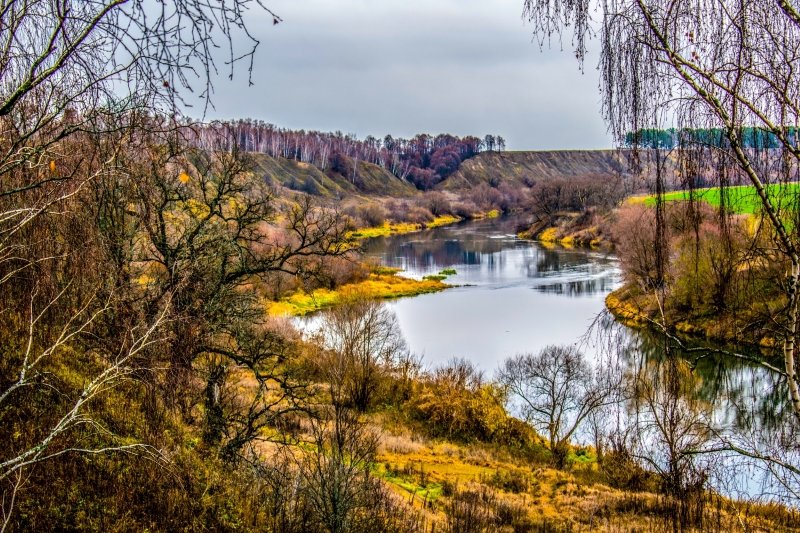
(377, 285)
(402, 227)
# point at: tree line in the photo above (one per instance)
(751, 137)
(423, 160)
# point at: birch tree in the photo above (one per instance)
(731, 65)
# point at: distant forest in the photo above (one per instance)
(756, 138)
(423, 160)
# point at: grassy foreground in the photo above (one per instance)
(444, 479)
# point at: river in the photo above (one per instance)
(517, 296)
(513, 296)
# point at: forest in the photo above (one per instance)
(424, 160)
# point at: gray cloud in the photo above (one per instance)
(410, 66)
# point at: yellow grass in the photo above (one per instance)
(377, 285)
(444, 220)
(494, 213)
(402, 227)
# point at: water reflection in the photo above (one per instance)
(516, 296)
(745, 395)
(487, 253)
(728, 411)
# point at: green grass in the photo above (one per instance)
(741, 199)
(429, 492)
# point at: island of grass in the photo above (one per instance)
(741, 199)
(383, 283)
(442, 275)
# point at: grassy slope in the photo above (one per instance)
(509, 167)
(741, 199)
(373, 180)
(515, 167)
(421, 470)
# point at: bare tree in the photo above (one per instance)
(82, 82)
(365, 342)
(67, 427)
(672, 429)
(557, 391)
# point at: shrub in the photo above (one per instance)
(438, 203)
(373, 214)
(418, 215)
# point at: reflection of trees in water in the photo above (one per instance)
(546, 261)
(744, 396)
(423, 250)
(445, 247)
(578, 288)
(737, 417)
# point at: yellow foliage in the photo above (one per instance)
(494, 213)
(548, 235)
(184, 177)
(625, 312)
(145, 279)
(443, 220)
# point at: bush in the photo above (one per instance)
(438, 203)
(418, 215)
(373, 214)
(455, 402)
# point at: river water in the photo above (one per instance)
(517, 296)
(514, 296)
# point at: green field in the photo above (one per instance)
(741, 199)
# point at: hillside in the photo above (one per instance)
(527, 167)
(369, 180)
(515, 168)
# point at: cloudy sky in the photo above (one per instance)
(409, 66)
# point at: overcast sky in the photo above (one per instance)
(409, 66)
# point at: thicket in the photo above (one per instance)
(716, 265)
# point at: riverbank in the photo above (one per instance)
(641, 311)
(382, 283)
(571, 229)
(400, 228)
